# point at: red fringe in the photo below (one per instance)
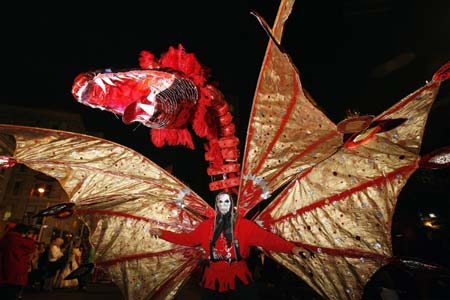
(147, 60)
(157, 137)
(184, 138)
(198, 122)
(210, 105)
(177, 59)
(171, 137)
(201, 125)
(188, 65)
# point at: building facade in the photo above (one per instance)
(25, 192)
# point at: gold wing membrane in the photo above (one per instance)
(120, 195)
(342, 208)
(287, 133)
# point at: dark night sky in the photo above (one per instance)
(336, 47)
(339, 47)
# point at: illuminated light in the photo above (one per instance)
(432, 215)
(41, 190)
(428, 224)
(431, 224)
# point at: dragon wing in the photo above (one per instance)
(342, 208)
(120, 195)
(287, 133)
(338, 199)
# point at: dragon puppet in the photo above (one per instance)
(330, 188)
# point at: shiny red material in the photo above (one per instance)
(443, 73)
(224, 184)
(7, 161)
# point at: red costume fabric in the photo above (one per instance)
(15, 251)
(246, 232)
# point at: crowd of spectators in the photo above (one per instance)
(26, 263)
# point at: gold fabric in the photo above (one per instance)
(120, 194)
(340, 200)
(287, 133)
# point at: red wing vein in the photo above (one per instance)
(118, 214)
(138, 256)
(280, 129)
(104, 171)
(351, 253)
(308, 149)
(343, 195)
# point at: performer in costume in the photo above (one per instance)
(226, 240)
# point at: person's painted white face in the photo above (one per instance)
(223, 203)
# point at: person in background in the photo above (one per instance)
(32, 234)
(34, 275)
(43, 263)
(16, 248)
(55, 261)
(73, 262)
